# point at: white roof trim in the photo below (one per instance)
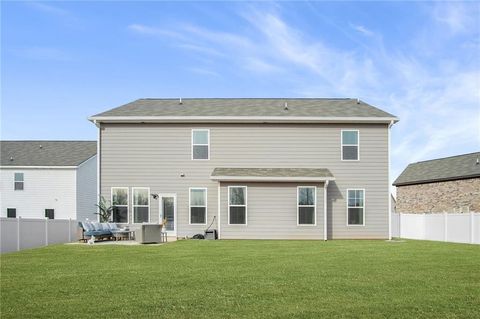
(37, 167)
(270, 179)
(240, 119)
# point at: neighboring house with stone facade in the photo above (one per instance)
(450, 184)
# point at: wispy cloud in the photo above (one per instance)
(363, 30)
(438, 101)
(48, 8)
(203, 71)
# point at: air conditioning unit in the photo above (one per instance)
(211, 234)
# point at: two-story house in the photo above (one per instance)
(255, 168)
(48, 179)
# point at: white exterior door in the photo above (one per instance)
(168, 211)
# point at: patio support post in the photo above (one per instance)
(218, 211)
(325, 210)
(18, 232)
(46, 231)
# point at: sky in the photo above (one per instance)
(64, 61)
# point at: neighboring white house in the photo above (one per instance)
(54, 179)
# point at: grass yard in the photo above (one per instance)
(244, 279)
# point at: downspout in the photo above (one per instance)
(98, 165)
(389, 192)
(325, 210)
(218, 211)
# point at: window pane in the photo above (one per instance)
(50, 213)
(350, 152)
(11, 213)
(197, 197)
(200, 137)
(197, 215)
(140, 197)
(306, 196)
(120, 214)
(306, 215)
(238, 215)
(350, 137)
(18, 177)
(237, 196)
(18, 186)
(120, 196)
(200, 152)
(355, 216)
(140, 214)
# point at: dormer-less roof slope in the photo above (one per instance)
(46, 153)
(442, 169)
(240, 110)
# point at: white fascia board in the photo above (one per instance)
(270, 179)
(38, 167)
(239, 119)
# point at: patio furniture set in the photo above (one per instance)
(147, 233)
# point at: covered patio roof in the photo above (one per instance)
(225, 174)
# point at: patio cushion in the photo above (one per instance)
(113, 226)
(97, 226)
(105, 226)
(87, 226)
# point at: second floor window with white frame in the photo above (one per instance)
(306, 201)
(120, 204)
(19, 181)
(198, 206)
(356, 207)
(350, 145)
(141, 204)
(200, 144)
(237, 205)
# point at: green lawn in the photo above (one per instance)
(244, 279)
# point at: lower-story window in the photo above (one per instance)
(141, 204)
(11, 213)
(356, 207)
(237, 205)
(198, 206)
(306, 203)
(120, 204)
(50, 213)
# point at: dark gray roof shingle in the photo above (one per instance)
(272, 172)
(442, 169)
(246, 107)
(51, 153)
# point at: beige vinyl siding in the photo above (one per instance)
(271, 213)
(155, 155)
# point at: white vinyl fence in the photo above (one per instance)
(457, 228)
(21, 233)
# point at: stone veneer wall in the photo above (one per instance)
(439, 197)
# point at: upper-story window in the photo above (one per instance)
(350, 145)
(200, 144)
(18, 182)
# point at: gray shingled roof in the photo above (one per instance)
(51, 153)
(246, 107)
(314, 173)
(442, 169)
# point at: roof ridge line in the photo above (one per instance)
(442, 158)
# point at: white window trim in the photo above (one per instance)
(245, 205)
(314, 206)
(128, 202)
(364, 207)
(357, 145)
(133, 204)
(208, 144)
(22, 181)
(190, 205)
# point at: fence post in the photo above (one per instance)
(445, 226)
(472, 228)
(18, 233)
(46, 231)
(70, 229)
